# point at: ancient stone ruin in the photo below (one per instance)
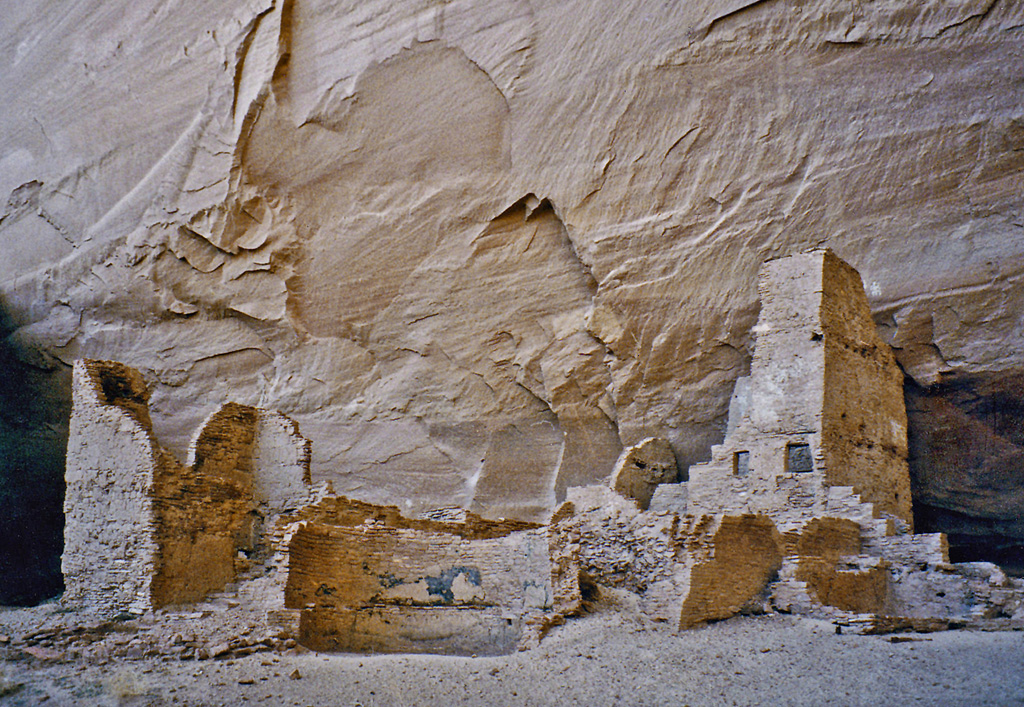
(145, 532)
(804, 507)
(142, 530)
(365, 578)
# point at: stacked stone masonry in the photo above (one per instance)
(822, 407)
(804, 507)
(144, 531)
(367, 579)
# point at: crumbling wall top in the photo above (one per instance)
(342, 511)
(114, 383)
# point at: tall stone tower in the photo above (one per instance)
(822, 408)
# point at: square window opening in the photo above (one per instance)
(798, 458)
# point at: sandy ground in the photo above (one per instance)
(610, 657)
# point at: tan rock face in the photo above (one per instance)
(464, 242)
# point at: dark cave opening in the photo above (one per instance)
(966, 443)
(973, 539)
(35, 407)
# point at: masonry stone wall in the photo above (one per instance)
(864, 417)
(280, 463)
(787, 369)
(822, 552)
(366, 578)
(822, 407)
(110, 549)
(613, 543)
(206, 510)
(685, 570)
(747, 552)
(146, 531)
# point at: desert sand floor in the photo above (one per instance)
(606, 658)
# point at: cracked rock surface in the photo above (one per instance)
(475, 249)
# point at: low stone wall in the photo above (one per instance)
(365, 578)
(444, 630)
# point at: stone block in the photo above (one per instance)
(642, 468)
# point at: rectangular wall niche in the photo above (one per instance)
(798, 458)
(741, 463)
